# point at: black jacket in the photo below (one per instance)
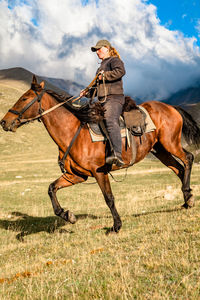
(114, 70)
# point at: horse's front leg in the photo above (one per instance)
(64, 181)
(104, 184)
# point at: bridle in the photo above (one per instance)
(41, 112)
(20, 113)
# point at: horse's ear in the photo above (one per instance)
(34, 80)
(42, 84)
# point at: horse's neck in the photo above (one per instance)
(61, 124)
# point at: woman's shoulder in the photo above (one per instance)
(115, 60)
(115, 57)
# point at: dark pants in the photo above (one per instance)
(113, 106)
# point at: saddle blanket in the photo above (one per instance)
(96, 135)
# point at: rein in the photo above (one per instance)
(48, 110)
(41, 112)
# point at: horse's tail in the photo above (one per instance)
(190, 130)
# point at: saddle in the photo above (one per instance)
(133, 120)
(132, 123)
(134, 117)
(96, 128)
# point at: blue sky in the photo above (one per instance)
(158, 40)
(180, 15)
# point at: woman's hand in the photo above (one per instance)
(100, 75)
(83, 93)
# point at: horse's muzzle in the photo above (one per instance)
(8, 126)
(3, 124)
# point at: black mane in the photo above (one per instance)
(87, 113)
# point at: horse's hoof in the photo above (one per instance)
(71, 217)
(189, 203)
(113, 230)
(184, 206)
(116, 228)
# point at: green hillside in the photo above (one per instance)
(31, 140)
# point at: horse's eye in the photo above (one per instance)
(25, 98)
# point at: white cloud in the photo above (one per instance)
(158, 61)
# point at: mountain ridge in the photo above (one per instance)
(57, 84)
(188, 98)
(190, 95)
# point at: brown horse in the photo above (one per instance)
(87, 158)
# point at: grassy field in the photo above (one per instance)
(156, 255)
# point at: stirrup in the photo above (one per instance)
(115, 160)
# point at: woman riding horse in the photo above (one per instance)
(87, 158)
(109, 91)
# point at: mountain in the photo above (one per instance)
(188, 99)
(186, 96)
(69, 86)
(25, 77)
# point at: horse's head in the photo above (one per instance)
(28, 106)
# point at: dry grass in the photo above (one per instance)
(155, 256)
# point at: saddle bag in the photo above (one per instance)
(135, 121)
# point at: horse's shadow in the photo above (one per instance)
(26, 225)
(158, 212)
(109, 230)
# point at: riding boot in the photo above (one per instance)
(115, 159)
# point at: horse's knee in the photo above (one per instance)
(51, 189)
(190, 157)
(52, 194)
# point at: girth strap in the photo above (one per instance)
(61, 162)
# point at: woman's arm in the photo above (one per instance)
(118, 70)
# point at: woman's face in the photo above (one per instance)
(102, 53)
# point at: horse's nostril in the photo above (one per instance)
(2, 123)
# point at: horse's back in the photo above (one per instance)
(168, 123)
(162, 114)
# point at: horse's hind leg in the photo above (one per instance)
(168, 160)
(65, 180)
(188, 197)
(183, 172)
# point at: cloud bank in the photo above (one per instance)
(53, 38)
